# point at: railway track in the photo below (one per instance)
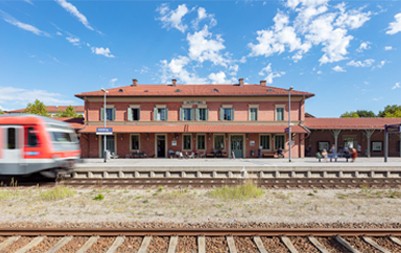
(200, 240)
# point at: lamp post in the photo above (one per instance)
(289, 124)
(104, 119)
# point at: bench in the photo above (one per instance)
(331, 157)
(269, 154)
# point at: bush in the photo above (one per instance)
(57, 193)
(99, 197)
(242, 192)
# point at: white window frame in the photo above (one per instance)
(160, 107)
(134, 107)
(139, 142)
(197, 141)
(257, 112)
(270, 141)
(221, 116)
(275, 148)
(276, 114)
(108, 107)
(183, 142)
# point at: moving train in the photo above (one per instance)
(34, 144)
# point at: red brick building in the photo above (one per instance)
(207, 120)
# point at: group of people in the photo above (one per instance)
(348, 152)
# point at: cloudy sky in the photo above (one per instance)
(346, 52)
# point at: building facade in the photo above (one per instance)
(204, 120)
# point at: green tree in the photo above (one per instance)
(69, 113)
(37, 107)
(391, 111)
(358, 114)
(1, 111)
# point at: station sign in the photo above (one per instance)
(104, 131)
(393, 128)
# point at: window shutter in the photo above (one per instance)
(101, 114)
(193, 114)
(197, 116)
(207, 114)
(221, 113)
(166, 114)
(139, 114)
(181, 114)
(114, 114)
(232, 114)
(130, 114)
(250, 114)
(155, 113)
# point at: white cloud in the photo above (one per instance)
(361, 64)
(73, 40)
(395, 27)
(396, 86)
(338, 69)
(102, 51)
(202, 47)
(204, 16)
(24, 26)
(270, 74)
(173, 18)
(313, 25)
(176, 68)
(218, 78)
(363, 46)
(75, 12)
(113, 82)
(388, 48)
(16, 98)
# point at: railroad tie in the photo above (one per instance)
(346, 244)
(145, 244)
(231, 244)
(63, 241)
(317, 244)
(88, 244)
(201, 244)
(289, 244)
(395, 240)
(173, 244)
(117, 243)
(8, 242)
(259, 244)
(375, 245)
(34, 242)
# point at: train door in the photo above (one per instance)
(12, 144)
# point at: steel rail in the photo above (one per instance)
(377, 232)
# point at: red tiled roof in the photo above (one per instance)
(76, 123)
(197, 129)
(208, 90)
(53, 109)
(350, 123)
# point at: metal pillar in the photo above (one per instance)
(368, 134)
(336, 133)
(385, 143)
(289, 124)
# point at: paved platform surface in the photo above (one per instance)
(310, 163)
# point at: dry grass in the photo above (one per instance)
(242, 192)
(57, 193)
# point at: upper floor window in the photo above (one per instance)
(202, 114)
(134, 114)
(253, 113)
(186, 114)
(226, 113)
(110, 113)
(160, 113)
(279, 113)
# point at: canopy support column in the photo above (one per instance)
(368, 134)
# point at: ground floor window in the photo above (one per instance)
(201, 143)
(187, 142)
(134, 142)
(219, 142)
(265, 141)
(279, 141)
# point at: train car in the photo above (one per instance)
(33, 144)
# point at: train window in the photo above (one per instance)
(61, 137)
(32, 137)
(11, 138)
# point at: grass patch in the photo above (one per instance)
(99, 197)
(6, 194)
(242, 192)
(57, 193)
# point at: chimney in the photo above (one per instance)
(174, 82)
(262, 82)
(241, 81)
(134, 82)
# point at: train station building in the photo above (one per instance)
(237, 120)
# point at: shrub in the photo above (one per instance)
(99, 197)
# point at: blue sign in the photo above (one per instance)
(104, 131)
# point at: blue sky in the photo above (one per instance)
(346, 52)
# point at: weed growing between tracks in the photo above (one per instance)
(242, 192)
(57, 193)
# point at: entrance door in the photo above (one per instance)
(12, 144)
(161, 146)
(237, 145)
(109, 145)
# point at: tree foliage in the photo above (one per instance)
(1, 111)
(69, 113)
(391, 111)
(37, 107)
(358, 114)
